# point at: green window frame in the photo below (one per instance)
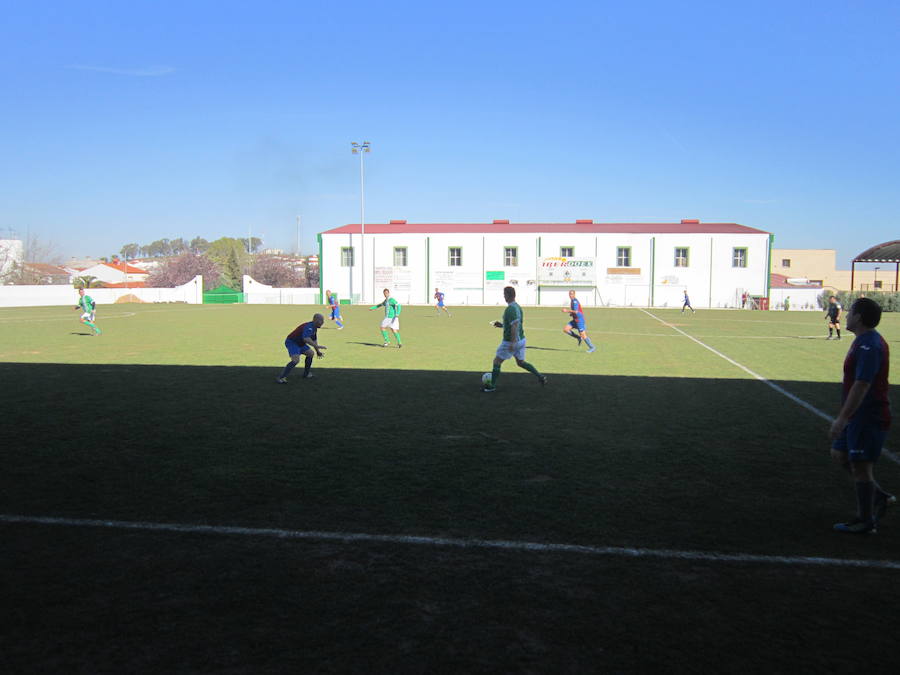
(401, 256)
(623, 256)
(510, 256)
(739, 257)
(454, 256)
(682, 256)
(566, 251)
(348, 257)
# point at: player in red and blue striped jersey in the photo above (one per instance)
(332, 300)
(303, 341)
(576, 327)
(439, 302)
(861, 426)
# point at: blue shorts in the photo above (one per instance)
(577, 323)
(295, 349)
(440, 303)
(862, 441)
(335, 312)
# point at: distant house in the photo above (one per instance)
(43, 274)
(116, 273)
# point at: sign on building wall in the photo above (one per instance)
(457, 280)
(567, 271)
(394, 278)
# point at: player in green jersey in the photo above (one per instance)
(513, 345)
(391, 319)
(86, 304)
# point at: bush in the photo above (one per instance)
(890, 302)
(182, 269)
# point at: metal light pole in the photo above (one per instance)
(361, 149)
(875, 283)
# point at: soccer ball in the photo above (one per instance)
(487, 380)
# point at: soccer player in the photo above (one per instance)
(87, 306)
(391, 318)
(576, 327)
(439, 303)
(833, 315)
(860, 428)
(687, 303)
(302, 341)
(332, 300)
(513, 344)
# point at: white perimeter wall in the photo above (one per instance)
(709, 278)
(256, 293)
(38, 296)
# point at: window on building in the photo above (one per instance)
(347, 256)
(511, 256)
(566, 251)
(400, 259)
(455, 253)
(877, 284)
(623, 256)
(681, 257)
(739, 257)
(785, 262)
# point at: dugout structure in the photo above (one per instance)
(223, 295)
(888, 252)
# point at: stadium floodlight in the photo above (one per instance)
(360, 149)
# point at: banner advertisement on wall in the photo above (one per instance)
(393, 278)
(567, 271)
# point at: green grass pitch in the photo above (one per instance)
(654, 442)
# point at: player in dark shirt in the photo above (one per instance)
(302, 341)
(833, 314)
(860, 428)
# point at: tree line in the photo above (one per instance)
(169, 247)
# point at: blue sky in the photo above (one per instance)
(133, 121)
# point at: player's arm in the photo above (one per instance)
(380, 304)
(315, 345)
(854, 398)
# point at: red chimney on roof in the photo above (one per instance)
(501, 222)
(398, 222)
(690, 221)
(584, 222)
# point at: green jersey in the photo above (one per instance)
(391, 308)
(511, 315)
(86, 303)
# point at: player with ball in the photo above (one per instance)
(513, 345)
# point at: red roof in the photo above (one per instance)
(125, 267)
(579, 226)
(781, 281)
(124, 284)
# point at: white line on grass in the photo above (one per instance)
(799, 401)
(496, 544)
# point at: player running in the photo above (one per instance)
(302, 341)
(687, 303)
(513, 344)
(576, 327)
(439, 303)
(391, 318)
(833, 315)
(332, 300)
(87, 306)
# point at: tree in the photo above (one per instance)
(87, 281)
(179, 246)
(130, 251)
(182, 269)
(199, 245)
(232, 275)
(278, 272)
(223, 250)
(255, 243)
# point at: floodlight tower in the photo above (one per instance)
(361, 149)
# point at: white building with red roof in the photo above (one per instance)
(611, 264)
(116, 273)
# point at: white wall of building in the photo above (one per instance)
(256, 293)
(40, 296)
(710, 277)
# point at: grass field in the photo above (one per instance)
(654, 507)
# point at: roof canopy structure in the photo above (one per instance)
(888, 252)
(883, 253)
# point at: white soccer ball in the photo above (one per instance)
(487, 380)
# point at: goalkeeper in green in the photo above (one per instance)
(86, 304)
(391, 319)
(513, 345)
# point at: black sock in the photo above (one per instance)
(838, 331)
(865, 490)
(307, 365)
(830, 332)
(288, 368)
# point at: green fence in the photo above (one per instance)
(222, 296)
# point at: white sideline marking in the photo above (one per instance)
(799, 401)
(500, 544)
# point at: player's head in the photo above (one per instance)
(80, 291)
(864, 311)
(832, 299)
(387, 292)
(435, 290)
(509, 293)
(571, 294)
(318, 319)
(327, 292)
